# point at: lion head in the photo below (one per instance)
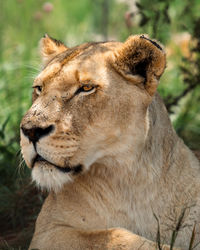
(90, 103)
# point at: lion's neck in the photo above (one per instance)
(153, 153)
(154, 167)
(162, 141)
(134, 181)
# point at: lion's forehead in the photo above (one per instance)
(79, 69)
(48, 73)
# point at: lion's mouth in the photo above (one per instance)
(66, 169)
(39, 158)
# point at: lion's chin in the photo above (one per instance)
(48, 177)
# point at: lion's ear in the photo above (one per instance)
(142, 60)
(49, 48)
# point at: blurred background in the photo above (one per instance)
(175, 23)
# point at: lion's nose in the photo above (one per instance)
(35, 133)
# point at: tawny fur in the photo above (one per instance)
(135, 167)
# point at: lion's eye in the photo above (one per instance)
(85, 88)
(38, 89)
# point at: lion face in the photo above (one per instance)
(89, 102)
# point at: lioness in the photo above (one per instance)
(99, 138)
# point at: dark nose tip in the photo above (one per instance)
(35, 133)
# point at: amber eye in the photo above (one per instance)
(87, 88)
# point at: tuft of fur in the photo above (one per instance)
(49, 179)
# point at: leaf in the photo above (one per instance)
(192, 237)
(3, 127)
(139, 5)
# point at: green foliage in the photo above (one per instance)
(23, 23)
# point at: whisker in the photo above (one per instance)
(21, 165)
